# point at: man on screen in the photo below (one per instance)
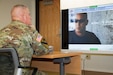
(80, 35)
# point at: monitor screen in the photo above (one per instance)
(88, 28)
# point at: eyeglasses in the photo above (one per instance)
(80, 21)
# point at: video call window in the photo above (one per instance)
(99, 22)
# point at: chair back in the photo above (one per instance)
(8, 61)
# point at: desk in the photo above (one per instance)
(69, 62)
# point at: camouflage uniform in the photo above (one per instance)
(24, 39)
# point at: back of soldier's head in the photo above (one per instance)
(18, 11)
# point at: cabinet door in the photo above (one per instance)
(49, 22)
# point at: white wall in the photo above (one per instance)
(33, 12)
(102, 63)
(5, 8)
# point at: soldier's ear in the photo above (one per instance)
(24, 17)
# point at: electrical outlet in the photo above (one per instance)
(88, 56)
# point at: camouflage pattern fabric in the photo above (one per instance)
(25, 39)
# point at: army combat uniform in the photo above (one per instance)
(25, 39)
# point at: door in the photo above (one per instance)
(49, 22)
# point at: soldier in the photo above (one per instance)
(21, 35)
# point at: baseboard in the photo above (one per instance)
(84, 72)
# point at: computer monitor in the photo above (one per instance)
(100, 23)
